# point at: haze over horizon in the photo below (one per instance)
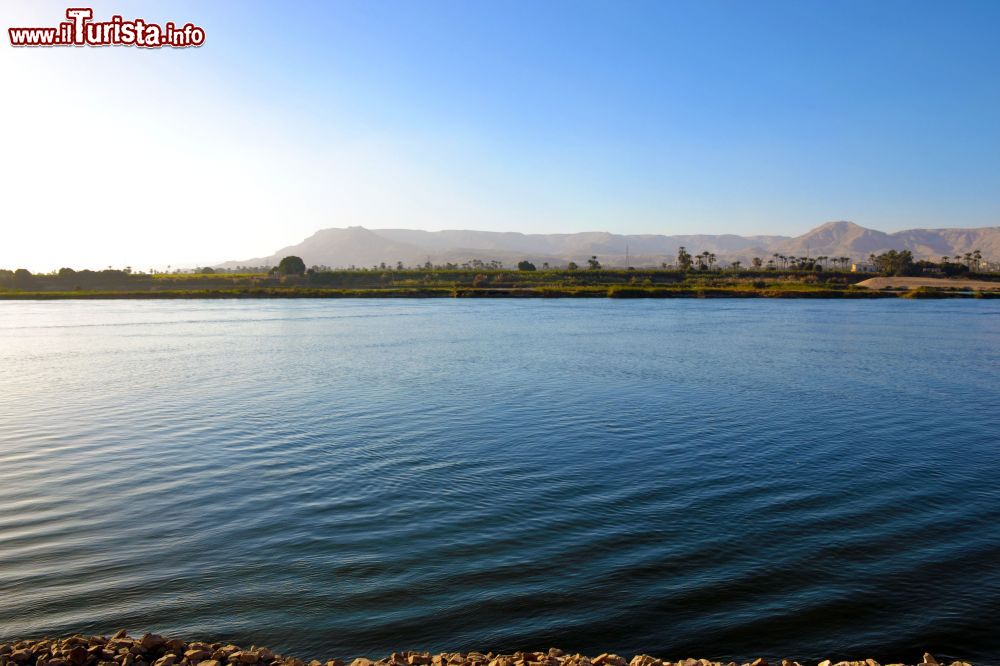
(668, 118)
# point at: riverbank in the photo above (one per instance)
(450, 283)
(797, 291)
(156, 650)
(928, 282)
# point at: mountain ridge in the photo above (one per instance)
(343, 247)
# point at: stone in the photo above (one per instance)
(77, 655)
(645, 660)
(361, 661)
(929, 659)
(166, 660)
(152, 642)
(607, 659)
(210, 662)
(196, 656)
(21, 656)
(825, 662)
(334, 662)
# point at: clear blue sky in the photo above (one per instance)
(633, 117)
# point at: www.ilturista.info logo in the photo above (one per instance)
(80, 30)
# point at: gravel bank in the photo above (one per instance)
(156, 650)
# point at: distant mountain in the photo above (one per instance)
(846, 239)
(357, 246)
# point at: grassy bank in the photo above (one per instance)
(470, 292)
(447, 283)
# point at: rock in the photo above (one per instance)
(77, 655)
(825, 662)
(210, 662)
(166, 660)
(152, 642)
(197, 656)
(645, 660)
(361, 661)
(21, 656)
(606, 659)
(120, 634)
(929, 659)
(334, 662)
(759, 662)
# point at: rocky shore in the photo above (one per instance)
(156, 650)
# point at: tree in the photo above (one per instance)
(593, 263)
(525, 265)
(757, 262)
(23, 277)
(66, 272)
(571, 266)
(895, 263)
(684, 259)
(292, 265)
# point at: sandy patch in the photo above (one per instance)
(937, 283)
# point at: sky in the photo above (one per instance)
(701, 116)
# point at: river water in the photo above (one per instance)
(711, 478)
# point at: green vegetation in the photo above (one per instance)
(291, 265)
(700, 279)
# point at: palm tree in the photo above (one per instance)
(977, 256)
